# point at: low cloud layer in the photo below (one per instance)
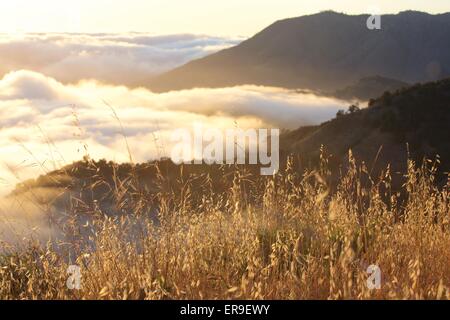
(44, 123)
(128, 59)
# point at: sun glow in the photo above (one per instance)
(232, 17)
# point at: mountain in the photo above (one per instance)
(412, 120)
(326, 51)
(369, 87)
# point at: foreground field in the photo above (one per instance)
(293, 236)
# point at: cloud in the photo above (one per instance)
(21, 220)
(30, 86)
(45, 123)
(56, 94)
(129, 59)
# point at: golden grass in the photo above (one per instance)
(297, 238)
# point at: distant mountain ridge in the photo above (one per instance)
(327, 51)
(369, 87)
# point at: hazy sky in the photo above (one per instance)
(230, 17)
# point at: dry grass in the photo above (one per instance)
(297, 238)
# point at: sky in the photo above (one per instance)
(224, 18)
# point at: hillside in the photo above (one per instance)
(413, 120)
(326, 51)
(369, 87)
(418, 116)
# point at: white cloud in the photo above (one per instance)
(44, 121)
(128, 59)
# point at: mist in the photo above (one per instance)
(45, 123)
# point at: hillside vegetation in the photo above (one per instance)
(413, 120)
(285, 237)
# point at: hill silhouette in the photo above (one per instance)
(369, 87)
(326, 51)
(412, 120)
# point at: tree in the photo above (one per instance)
(353, 108)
